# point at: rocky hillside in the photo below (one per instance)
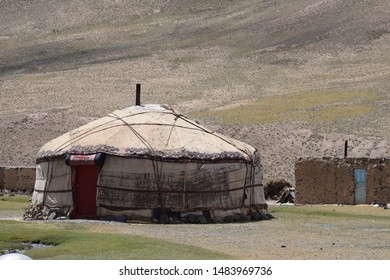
(293, 78)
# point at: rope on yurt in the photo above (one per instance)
(250, 165)
(82, 135)
(46, 191)
(115, 117)
(156, 168)
(184, 191)
(48, 181)
(248, 174)
(94, 130)
(184, 118)
(157, 172)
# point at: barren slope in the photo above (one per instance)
(293, 78)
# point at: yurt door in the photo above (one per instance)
(85, 197)
(86, 170)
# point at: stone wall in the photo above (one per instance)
(17, 178)
(331, 180)
(378, 182)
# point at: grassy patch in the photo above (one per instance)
(73, 241)
(12, 203)
(316, 107)
(341, 112)
(328, 211)
(78, 241)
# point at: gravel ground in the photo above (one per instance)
(287, 236)
(361, 233)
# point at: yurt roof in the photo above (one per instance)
(149, 131)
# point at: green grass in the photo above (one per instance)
(13, 203)
(329, 211)
(340, 112)
(77, 241)
(309, 106)
(74, 241)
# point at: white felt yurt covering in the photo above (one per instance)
(148, 160)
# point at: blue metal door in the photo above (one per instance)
(360, 186)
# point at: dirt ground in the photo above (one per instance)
(324, 232)
(281, 238)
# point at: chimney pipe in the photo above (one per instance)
(346, 149)
(138, 95)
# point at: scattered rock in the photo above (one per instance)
(53, 213)
(256, 216)
(207, 215)
(266, 216)
(108, 218)
(195, 219)
(52, 216)
(39, 217)
(228, 219)
(32, 212)
(245, 218)
(121, 218)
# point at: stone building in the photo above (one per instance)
(342, 180)
(17, 179)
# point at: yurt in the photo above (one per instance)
(147, 163)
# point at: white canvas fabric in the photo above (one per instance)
(147, 133)
(155, 158)
(53, 186)
(132, 183)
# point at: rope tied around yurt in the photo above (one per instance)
(157, 172)
(47, 182)
(232, 169)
